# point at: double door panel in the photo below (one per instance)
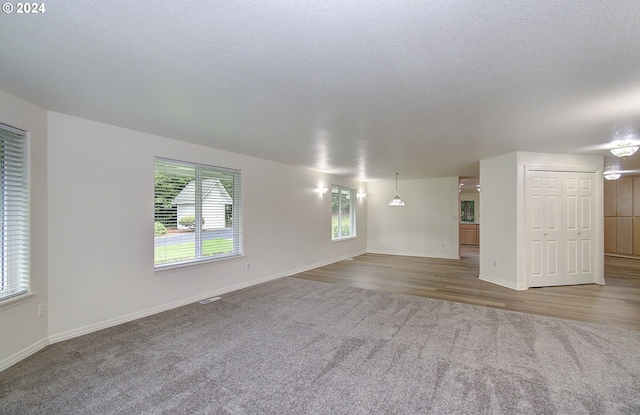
(560, 223)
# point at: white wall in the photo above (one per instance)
(101, 214)
(429, 219)
(22, 331)
(92, 228)
(502, 237)
(499, 230)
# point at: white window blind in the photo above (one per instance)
(197, 213)
(14, 208)
(343, 212)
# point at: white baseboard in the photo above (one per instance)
(23, 354)
(155, 310)
(165, 307)
(417, 254)
(503, 283)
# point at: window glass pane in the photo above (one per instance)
(467, 211)
(345, 213)
(174, 193)
(197, 212)
(217, 213)
(335, 213)
(342, 212)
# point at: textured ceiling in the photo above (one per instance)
(362, 89)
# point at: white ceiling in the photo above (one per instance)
(356, 88)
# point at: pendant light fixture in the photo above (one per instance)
(396, 201)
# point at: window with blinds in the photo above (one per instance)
(197, 213)
(14, 208)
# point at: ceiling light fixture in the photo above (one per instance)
(611, 175)
(396, 201)
(625, 149)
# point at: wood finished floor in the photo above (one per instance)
(615, 304)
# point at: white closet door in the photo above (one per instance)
(543, 223)
(560, 209)
(578, 227)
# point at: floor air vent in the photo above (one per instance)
(209, 300)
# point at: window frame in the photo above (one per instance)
(15, 234)
(352, 213)
(201, 172)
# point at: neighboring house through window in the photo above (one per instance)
(14, 208)
(197, 213)
(343, 212)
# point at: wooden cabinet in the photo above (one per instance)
(624, 197)
(624, 240)
(469, 234)
(622, 216)
(636, 196)
(610, 234)
(610, 198)
(636, 235)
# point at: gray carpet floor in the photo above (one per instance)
(292, 346)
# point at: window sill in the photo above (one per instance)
(14, 301)
(346, 238)
(192, 264)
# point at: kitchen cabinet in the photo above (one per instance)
(470, 234)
